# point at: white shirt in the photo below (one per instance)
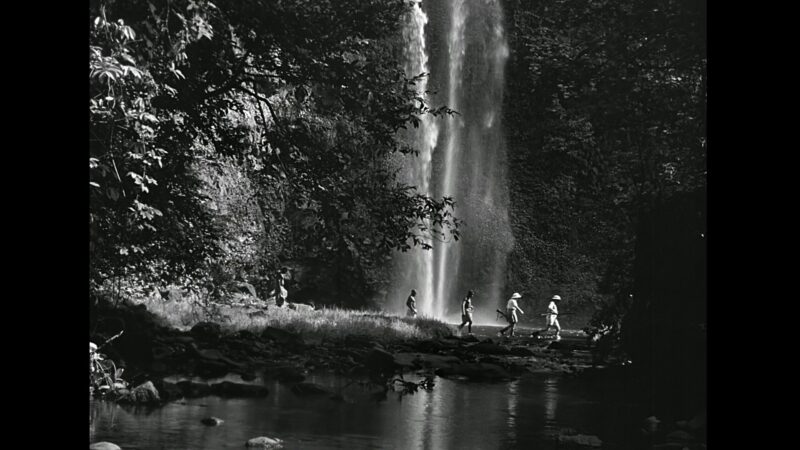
(512, 303)
(552, 308)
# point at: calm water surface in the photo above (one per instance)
(524, 413)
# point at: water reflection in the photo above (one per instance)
(513, 397)
(456, 414)
(550, 400)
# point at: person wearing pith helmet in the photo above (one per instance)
(511, 314)
(552, 317)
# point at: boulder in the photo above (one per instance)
(264, 442)
(183, 387)
(207, 331)
(282, 336)
(145, 393)
(419, 360)
(489, 348)
(104, 446)
(246, 335)
(475, 371)
(521, 351)
(211, 421)
(380, 361)
(209, 368)
(354, 340)
(435, 346)
(216, 355)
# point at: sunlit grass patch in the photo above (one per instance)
(325, 323)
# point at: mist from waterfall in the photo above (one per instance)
(462, 44)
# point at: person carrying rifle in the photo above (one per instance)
(511, 314)
(552, 317)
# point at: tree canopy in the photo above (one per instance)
(606, 120)
(305, 98)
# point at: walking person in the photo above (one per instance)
(466, 312)
(552, 317)
(279, 292)
(511, 314)
(411, 303)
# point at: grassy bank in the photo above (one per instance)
(327, 323)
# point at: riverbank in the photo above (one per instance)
(329, 341)
(216, 360)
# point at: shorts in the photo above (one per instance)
(466, 317)
(512, 316)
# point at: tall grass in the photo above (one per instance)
(326, 323)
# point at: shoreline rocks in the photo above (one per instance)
(264, 442)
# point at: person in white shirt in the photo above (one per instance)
(552, 317)
(511, 314)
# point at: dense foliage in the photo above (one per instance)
(301, 99)
(606, 121)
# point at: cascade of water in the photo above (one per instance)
(467, 62)
(419, 263)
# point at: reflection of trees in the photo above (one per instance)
(513, 398)
(550, 401)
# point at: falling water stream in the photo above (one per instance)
(461, 45)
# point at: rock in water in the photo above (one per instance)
(104, 446)
(212, 421)
(264, 442)
(145, 393)
(582, 440)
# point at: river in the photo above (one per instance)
(525, 413)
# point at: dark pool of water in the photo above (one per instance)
(525, 413)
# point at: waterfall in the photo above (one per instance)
(461, 156)
(418, 273)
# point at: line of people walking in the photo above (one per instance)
(511, 313)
